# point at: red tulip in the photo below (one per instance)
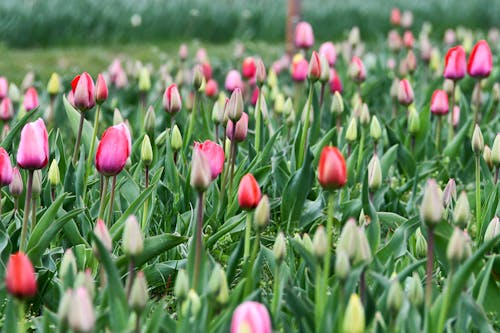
(335, 82)
(30, 99)
(6, 109)
(101, 90)
(206, 69)
(113, 150)
(300, 67)
(328, 50)
(248, 68)
(83, 91)
(408, 39)
(172, 102)
(439, 102)
(5, 168)
(255, 96)
(33, 150)
(248, 192)
(214, 154)
(4, 87)
(233, 81)
(480, 62)
(405, 92)
(357, 70)
(240, 133)
(395, 16)
(332, 171)
(251, 317)
(211, 88)
(314, 70)
(304, 36)
(20, 276)
(455, 63)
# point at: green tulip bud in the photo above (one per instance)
(279, 103)
(431, 209)
(349, 239)
(325, 69)
(415, 290)
(351, 133)
(288, 107)
(420, 244)
(413, 121)
(279, 248)
(54, 84)
(133, 240)
(477, 141)
(487, 157)
(394, 89)
(198, 77)
(364, 118)
(461, 213)
(64, 305)
(146, 151)
(201, 176)
(374, 174)
(144, 80)
(307, 243)
(320, 246)
(457, 251)
(67, 269)
(117, 117)
(272, 78)
(54, 175)
(495, 151)
(495, 92)
(84, 279)
(181, 287)
(354, 316)
(150, 122)
(342, 265)
(450, 192)
(395, 296)
(375, 129)
(492, 230)
(363, 251)
(139, 293)
(37, 184)
(262, 213)
(337, 106)
(14, 93)
(176, 139)
(192, 305)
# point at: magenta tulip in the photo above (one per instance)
(304, 36)
(328, 50)
(101, 90)
(439, 102)
(455, 63)
(6, 109)
(30, 99)
(240, 133)
(251, 317)
(83, 92)
(33, 151)
(113, 150)
(4, 87)
(5, 168)
(214, 154)
(233, 80)
(480, 62)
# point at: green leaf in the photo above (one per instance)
(373, 228)
(14, 132)
(451, 149)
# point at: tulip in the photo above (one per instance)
(113, 150)
(234, 107)
(172, 99)
(81, 317)
(394, 40)
(101, 90)
(314, 70)
(439, 102)
(206, 70)
(357, 70)
(20, 277)
(406, 19)
(233, 81)
(354, 317)
(480, 61)
(214, 154)
(200, 171)
(6, 109)
(211, 88)
(455, 63)
(248, 192)
(408, 39)
(102, 233)
(405, 92)
(248, 68)
(30, 101)
(328, 50)
(5, 168)
(33, 150)
(304, 36)
(251, 317)
(335, 82)
(4, 87)
(133, 240)
(395, 16)
(332, 171)
(260, 72)
(411, 61)
(82, 87)
(54, 84)
(183, 52)
(16, 185)
(299, 70)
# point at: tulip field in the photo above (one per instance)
(347, 186)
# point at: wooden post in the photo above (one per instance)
(292, 19)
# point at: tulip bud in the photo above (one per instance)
(363, 251)
(214, 282)
(54, 84)
(197, 77)
(81, 317)
(192, 305)
(146, 151)
(411, 61)
(84, 279)
(337, 104)
(413, 121)
(288, 108)
(356, 70)
(201, 174)
(415, 290)
(176, 139)
(117, 117)
(461, 214)
(260, 72)
(351, 133)
(448, 87)
(450, 192)
(181, 287)
(477, 140)
(495, 151)
(251, 317)
(101, 90)
(262, 213)
(342, 265)
(405, 93)
(456, 251)
(5, 168)
(420, 244)
(33, 150)
(144, 80)
(374, 174)
(279, 103)
(133, 240)
(354, 317)
(16, 185)
(314, 72)
(493, 229)
(37, 184)
(395, 296)
(54, 176)
(20, 278)
(325, 69)
(394, 89)
(320, 243)
(279, 248)
(139, 293)
(14, 93)
(349, 239)
(249, 193)
(67, 269)
(235, 106)
(431, 209)
(64, 305)
(102, 233)
(487, 157)
(375, 129)
(364, 118)
(172, 102)
(150, 121)
(82, 87)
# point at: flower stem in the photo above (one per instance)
(438, 134)
(33, 212)
(199, 241)
(275, 303)
(21, 320)
(232, 160)
(248, 233)
(360, 151)
(258, 118)
(451, 133)
(430, 263)
(477, 99)
(478, 194)
(192, 119)
(26, 212)
(319, 299)
(146, 202)
(445, 304)
(131, 274)
(102, 204)
(112, 200)
(91, 151)
(329, 237)
(305, 129)
(250, 263)
(78, 139)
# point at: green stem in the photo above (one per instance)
(102, 204)
(451, 133)
(250, 263)
(360, 151)
(131, 274)
(478, 195)
(276, 294)
(232, 158)
(91, 151)
(137, 322)
(0, 202)
(26, 212)
(248, 233)
(329, 238)
(33, 212)
(199, 241)
(478, 99)
(146, 202)
(78, 139)
(340, 306)
(258, 117)
(446, 304)
(438, 134)
(430, 264)
(21, 323)
(111, 201)
(305, 129)
(191, 120)
(319, 299)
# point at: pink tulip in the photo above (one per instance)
(172, 102)
(335, 82)
(206, 69)
(6, 109)
(405, 92)
(33, 151)
(328, 50)
(201, 55)
(211, 88)
(240, 132)
(83, 92)
(30, 99)
(395, 16)
(113, 150)
(455, 63)
(456, 115)
(439, 102)
(248, 67)
(304, 36)
(101, 90)
(394, 40)
(214, 154)
(5, 168)
(233, 80)
(408, 39)
(300, 67)
(314, 70)
(115, 69)
(4, 87)
(357, 70)
(251, 317)
(449, 37)
(183, 52)
(480, 62)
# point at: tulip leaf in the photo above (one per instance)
(452, 148)
(14, 132)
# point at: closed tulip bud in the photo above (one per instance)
(117, 117)
(6, 109)
(279, 104)
(306, 242)
(54, 84)
(146, 151)
(279, 248)
(395, 16)
(262, 213)
(84, 279)
(332, 170)
(68, 269)
(192, 305)
(4, 87)
(139, 293)
(314, 72)
(351, 133)
(101, 89)
(320, 243)
(102, 233)
(81, 317)
(420, 244)
(6, 172)
(450, 192)
(354, 317)
(349, 239)
(176, 139)
(354, 36)
(439, 102)
(211, 88)
(375, 129)
(455, 63)
(394, 89)
(335, 82)
(493, 229)
(113, 150)
(431, 209)
(364, 118)
(288, 108)
(249, 193)
(54, 176)
(214, 154)
(133, 240)
(495, 151)
(304, 36)
(411, 61)
(413, 121)
(461, 213)
(214, 283)
(33, 150)
(457, 251)
(487, 157)
(198, 77)
(181, 287)
(449, 86)
(235, 105)
(356, 70)
(14, 93)
(200, 178)
(241, 130)
(495, 92)
(64, 305)
(172, 99)
(480, 60)
(327, 49)
(248, 68)
(16, 185)
(477, 141)
(233, 81)
(395, 296)
(374, 174)
(405, 92)
(342, 265)
(337, 104)
(30, 100)
(415, 290)
(260, 72)
(144, 80)
(37, 184)
(82, 87)
(20, 278)
(363, 251)
(251, 317)
(325, 69)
